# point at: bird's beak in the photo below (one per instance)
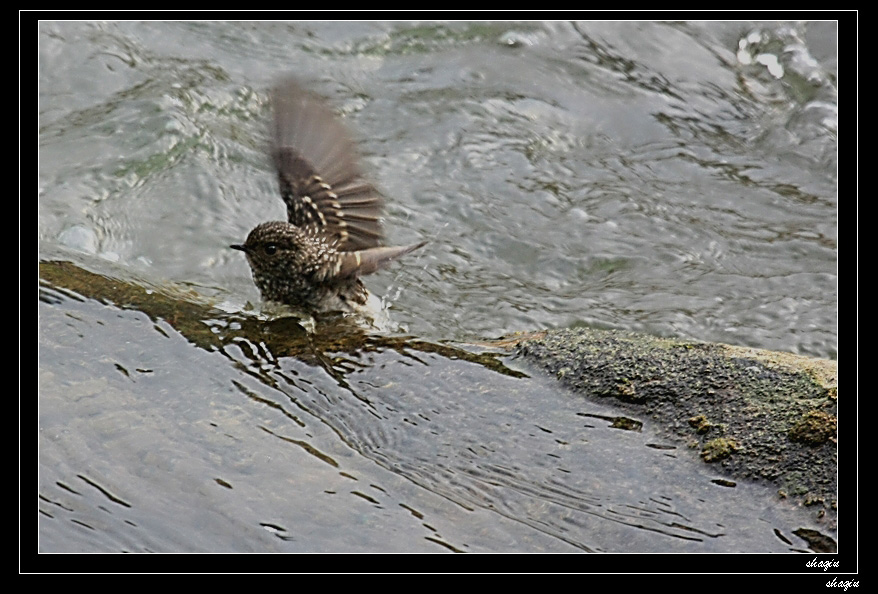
(238, 247)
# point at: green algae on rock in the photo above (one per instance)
(754, 414)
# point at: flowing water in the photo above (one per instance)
(677, 179)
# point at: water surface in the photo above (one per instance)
(677, 179)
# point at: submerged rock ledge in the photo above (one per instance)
(753, 414)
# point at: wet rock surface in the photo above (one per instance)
(759, 415)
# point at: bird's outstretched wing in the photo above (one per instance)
(320, 180)
(363, 262)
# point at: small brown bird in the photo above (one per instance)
(313, 262)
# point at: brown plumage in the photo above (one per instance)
(333, 234)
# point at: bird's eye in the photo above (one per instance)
(271, 249)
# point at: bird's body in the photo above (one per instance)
(314, 260)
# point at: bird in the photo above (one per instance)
(314, 261)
